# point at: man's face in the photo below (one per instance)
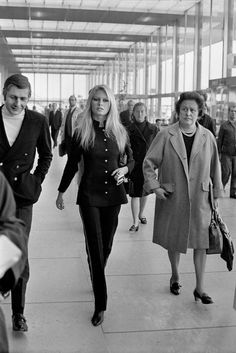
(54, 106)
(232, 113)
(130, 106)
(72, 101)
(16, 100)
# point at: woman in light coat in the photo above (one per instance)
(186, 157)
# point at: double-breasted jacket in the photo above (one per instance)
(17, 161)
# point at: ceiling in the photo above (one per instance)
(77, 36)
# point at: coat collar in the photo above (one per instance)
(179, 146)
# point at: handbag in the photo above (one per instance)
(227, 253)
(215, 236)
(219, 234)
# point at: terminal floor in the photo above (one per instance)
(142, 315)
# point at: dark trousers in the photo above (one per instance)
(100, 224)
(228, 168)
(54, 134)
(18, 293)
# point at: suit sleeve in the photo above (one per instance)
(44, 151)
(130, 159)
(220, 139)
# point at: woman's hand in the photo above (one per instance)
(60, 202)
(161, 194)
(119, 174)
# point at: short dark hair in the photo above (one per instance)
(18, 80)
(190, 95)
(203, 94)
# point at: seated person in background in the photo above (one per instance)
(12, 250)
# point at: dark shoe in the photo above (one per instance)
(233, 196)
(97, 318)
(204, 297)
(143, 220)
(133, 228)
(19, 323)
(175, 288)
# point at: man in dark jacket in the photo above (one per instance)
(227, 150)
(22, 134)
(126, 115)
(13, 244)
(55, 120)
(205, 120)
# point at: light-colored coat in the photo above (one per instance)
(182, 221)
(74, 121)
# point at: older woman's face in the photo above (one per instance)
(139, 113)
(100, 104)
(188, 113)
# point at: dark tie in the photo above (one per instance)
(68, 130)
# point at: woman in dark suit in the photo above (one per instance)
(101, 140)
(141, 134)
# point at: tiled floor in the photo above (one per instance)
(142, 316)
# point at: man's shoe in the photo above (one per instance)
(19, 322)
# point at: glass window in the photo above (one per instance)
(54, 94)
(40, 86)
(67, 86)
(216, 54)
(206, 24)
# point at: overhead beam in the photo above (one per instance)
(85, 15)
(69, 48)
(74, 35)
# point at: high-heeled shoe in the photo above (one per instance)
(143, 220)
(97, 318)
(133, 228)
(204, 297)
(175, 288)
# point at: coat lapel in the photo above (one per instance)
(21, 136)
(199, 140)
(178, 144)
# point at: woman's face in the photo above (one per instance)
(100, 104)
(139, 113)
(188, 113)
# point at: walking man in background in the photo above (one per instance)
(69, 123)
(126, 115)
(23, 132)
(227, 150)
(55, 119)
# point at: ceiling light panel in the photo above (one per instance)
(68, 42)
(62, 53)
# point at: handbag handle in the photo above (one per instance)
(211, 197)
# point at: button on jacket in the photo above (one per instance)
(17, 161)
(97, 188)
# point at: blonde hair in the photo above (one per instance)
(113, 128)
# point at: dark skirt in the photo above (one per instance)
(136, 182)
